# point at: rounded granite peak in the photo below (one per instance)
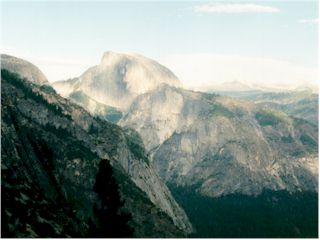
(110, 58)
(24, 68)
(111, 54)
(120, 77)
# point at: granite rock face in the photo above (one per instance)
(53, 147)
(222, 145)
(23, 68)
(118, 79)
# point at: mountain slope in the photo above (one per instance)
(23, 68)
(51, 150)
(118, 79)
(221, 145)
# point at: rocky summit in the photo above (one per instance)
(118, 79)
(23, 68)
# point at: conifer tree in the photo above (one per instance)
(110, 221)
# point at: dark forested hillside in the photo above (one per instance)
(271, 214)
(53, 182)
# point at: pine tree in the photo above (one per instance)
(110, 221)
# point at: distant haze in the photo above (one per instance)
(203, 71)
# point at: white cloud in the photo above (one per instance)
(202, 71)
(234, 8)
(309, 21)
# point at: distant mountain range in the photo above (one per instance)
(237, 86)
(300, 104)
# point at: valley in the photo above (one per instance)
(185, 163)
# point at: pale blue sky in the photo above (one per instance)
(82, 31)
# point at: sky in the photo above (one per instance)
(64, 38)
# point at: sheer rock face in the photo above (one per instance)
(24, 68)
(118, 79)
(77, 142)
(223, 145)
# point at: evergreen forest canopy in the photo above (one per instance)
(273, 214)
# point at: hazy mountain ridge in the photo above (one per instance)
(235, 87)
(54, 121)
(300, 104)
